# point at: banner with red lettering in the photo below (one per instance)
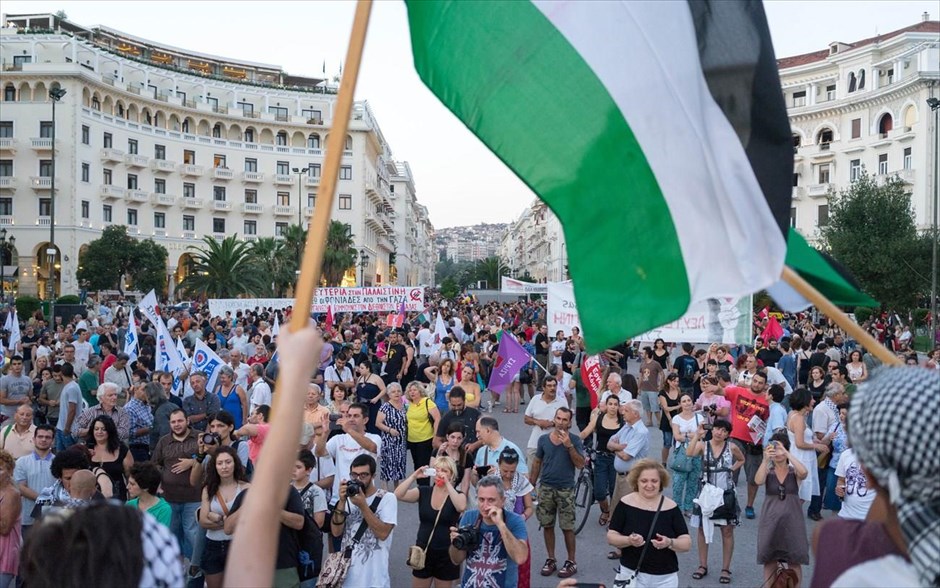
(591, 377)
(562, 309)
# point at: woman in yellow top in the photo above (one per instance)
(423, 418)
(469, 384)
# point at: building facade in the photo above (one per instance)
(176, 145)
(534, 245)
(863, 106)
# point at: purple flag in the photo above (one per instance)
(510, 360)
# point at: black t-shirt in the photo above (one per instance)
(288, 542)
(819, 358)
(468, 418)
(686, 366)
(627, 520)
(426, 515)
(541, 344)
(566, 358)
(394, 359)
(769, 356)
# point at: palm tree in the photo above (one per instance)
(223, 269)
(278, 263)
(490, 269)
(295, 238)
(340, 253)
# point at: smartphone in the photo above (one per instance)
(483, 471)
(430, 472)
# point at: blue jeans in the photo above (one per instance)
(815, 504)
(63, 441)
(605, 476)
(831, 501)
(183, 525)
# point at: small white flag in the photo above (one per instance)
(131, 340)
(14, 330)
(276, 329)
(206, 360)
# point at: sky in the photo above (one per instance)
(456, 177)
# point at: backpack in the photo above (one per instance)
(310, 538)
(249, 467)
(688, 368)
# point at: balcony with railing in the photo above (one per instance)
(162, 165)
(818, 190)
(159, 232)
(44, 221)
(6, 219)
(283, 179)
(283, 210)
(190, 170)
(135, 160)
(41, 143)
(137, 196)
(222, 173)
(221, 206)
(41, 182)
(8, 144)
(312, 181)
(113, 155)
(252, 176)
(162, 199)
(111, 192)
(194, 203)
(7, 182)
(252, 208)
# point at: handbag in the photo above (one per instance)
(417, 555)
(681, 461)
(729, 508)
(639, 564)
(336, 565)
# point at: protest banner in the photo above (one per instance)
(379, 299)
(511, 286)
(562, 312)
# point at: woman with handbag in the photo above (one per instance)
(605, 421)
(423, 417)
(439, 508)
(686, 469)
(649, 529)
(803, 443)
(781, 531)
(720, 459)
(225, 480)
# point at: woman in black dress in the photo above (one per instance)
(661, 354)
(110, 454)
(369, 391)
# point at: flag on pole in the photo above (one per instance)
(181, 349)
(401, 309)
(591, 377)
(8, 324)
(440, 331)
(680, 135)
(148, 306)
(14, 330)
(168, 359)
(131, 341)
(773, 331)
(206, 360)
(276, 329)
(329, 319)
(510, 359)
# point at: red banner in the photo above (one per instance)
(591, 377)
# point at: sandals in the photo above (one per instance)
(549, 568)
(604, 518)
(700, 573)
(613, 554)
(725, 577)
(569, 569)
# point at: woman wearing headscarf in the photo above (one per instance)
(899, 542)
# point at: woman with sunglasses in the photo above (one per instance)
(781, 531)
(518, 492)
(720, 460)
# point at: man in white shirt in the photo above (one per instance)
(238, 340)
(344, 448)
(425, 342)
(338, 374)
(852, 487)
(83, 350)
(557, 348)
(259, 392)
(775, 376)
(239, 367)
(540, 415)
(615, 388)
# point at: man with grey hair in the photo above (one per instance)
(630, 444)
(615, 387)
(119, 374)
(201, 406)
(259, 392)
(239, 367)
(502, 547)
(107, 399)
(825, 419)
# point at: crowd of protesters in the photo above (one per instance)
(86, 423)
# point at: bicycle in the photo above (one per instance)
(584, 491)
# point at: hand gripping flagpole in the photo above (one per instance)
(829, 309)
(251, 561)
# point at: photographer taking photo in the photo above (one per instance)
(489, 529)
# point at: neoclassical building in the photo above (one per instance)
(863, 105)
(178, 145)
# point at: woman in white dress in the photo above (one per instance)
(803, 444)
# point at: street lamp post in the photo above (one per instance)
(363, 262)
(4, 247)
(56, 94)
(934, 104)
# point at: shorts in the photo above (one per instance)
(437, 565)
(213, 558)
(751, 462)
(650, 401)
(554, 501)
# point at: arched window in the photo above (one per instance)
(852, 82)
(796, 142)
(824, 138)
(185, 128)
(313, 141)
(95, 103)
(217, 131)
(120, 109)
(249, 135)
(861, 79)
(281, 138)
(9, 93)
(885, 125)
(910, 117)
(149, 119)
(348, 145)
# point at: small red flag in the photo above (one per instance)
(591, 377)
(329, 319)
(773, 331)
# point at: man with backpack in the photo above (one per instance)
(315, 510)
(686, 367)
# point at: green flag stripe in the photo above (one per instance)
(537, 91)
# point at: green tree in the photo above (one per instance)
(279, 264)
(871, 231)
(295, 238)
(489, 270)
(449, 288)
(116, 256)
(224, 269)
(340, 253)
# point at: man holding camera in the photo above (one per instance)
(557, 456)
(491, 539)
(365, 517)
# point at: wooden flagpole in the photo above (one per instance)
(251, 560)
(829, 309)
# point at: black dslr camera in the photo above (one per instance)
(211, 439)
(354, 487)
(467, 539)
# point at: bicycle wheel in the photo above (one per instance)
(583, 500)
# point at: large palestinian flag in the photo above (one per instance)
(656, 132)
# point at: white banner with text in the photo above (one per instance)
(378, 299)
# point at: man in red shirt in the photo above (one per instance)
(749, 412)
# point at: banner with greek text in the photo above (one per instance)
(379, 299)
(511, 286)
(562, 309)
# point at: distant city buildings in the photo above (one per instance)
(179, 145)
(470, 243)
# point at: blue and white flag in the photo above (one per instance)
(131, 341)
(206, 360)
(14, 331)
(148, 306)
